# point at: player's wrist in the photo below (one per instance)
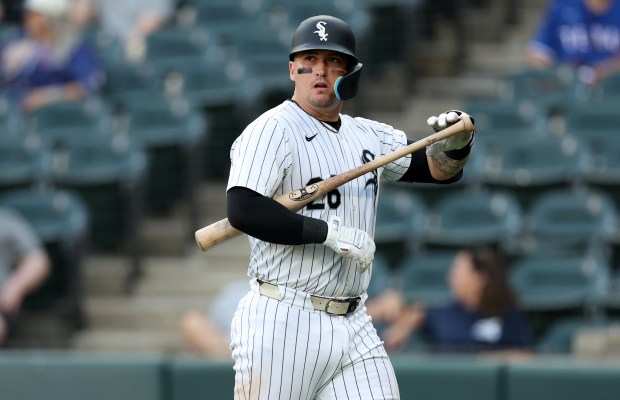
(334, 225)
(463, 152)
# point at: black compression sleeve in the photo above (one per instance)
(266, 219)
(420, 172)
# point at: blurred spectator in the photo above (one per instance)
(11, 11)
(582, 34)
(48, 62)
(385, 308)
(24, 265)
(482, 317)
(209, 334)
(129, 21)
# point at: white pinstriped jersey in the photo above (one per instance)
(287, 149)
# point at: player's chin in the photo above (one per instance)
(324, 99)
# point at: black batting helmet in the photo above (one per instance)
(323, 32)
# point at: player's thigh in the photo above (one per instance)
(366, 371)
(370, 379)
(282, 352)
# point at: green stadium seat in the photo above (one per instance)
(11, 119)
(423, 277)
(607, 90)
(585, 118)
(108, 173)
(226, 93)
(529, 166)
(555, 282)
(23, 161)
(92, 115)
(571, 217)
(123, 77)
(550, 89)
(173, 134)
(222, 16)
(205, 83)
(432, 193)
(107, 46)
(610, 301)
(602, 172)
(264, 51)
(553, 286)
(175, 42)
(473, 218)
(382, 277)
(55, 214)
(495, 115)
(401, 216)
(560, 336)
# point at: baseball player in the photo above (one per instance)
(302, 331)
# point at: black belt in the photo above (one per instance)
(331, 305)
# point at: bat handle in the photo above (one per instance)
(215, 233)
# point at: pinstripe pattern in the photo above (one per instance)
(286, 350)
(273, 157)
(294, 352)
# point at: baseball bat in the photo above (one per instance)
(222, 230)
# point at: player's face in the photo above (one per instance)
(315, 73)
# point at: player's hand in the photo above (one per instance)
(350, 242)
(454, 142)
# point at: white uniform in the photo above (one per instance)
(285, 349)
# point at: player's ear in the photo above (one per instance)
(291, 70)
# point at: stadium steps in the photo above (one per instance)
(171, 283)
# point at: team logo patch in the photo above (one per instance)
(321, 31)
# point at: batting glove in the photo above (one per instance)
(350, 242)
(454, 142)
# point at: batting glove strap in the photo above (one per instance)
(350, 242)
(457, 146)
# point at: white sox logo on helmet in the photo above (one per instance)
(321, 31)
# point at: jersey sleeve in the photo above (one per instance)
(260, 157)
(390, 139)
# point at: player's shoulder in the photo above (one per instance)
(280, 113)
(271, 118)
(367, 124)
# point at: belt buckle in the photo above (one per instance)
(351, 306)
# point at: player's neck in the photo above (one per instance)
(321, 115)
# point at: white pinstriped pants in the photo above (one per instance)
(287, 350)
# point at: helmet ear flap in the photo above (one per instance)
(345, 87)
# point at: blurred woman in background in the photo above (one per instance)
(483, 315)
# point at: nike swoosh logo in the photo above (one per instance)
(309, 138)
